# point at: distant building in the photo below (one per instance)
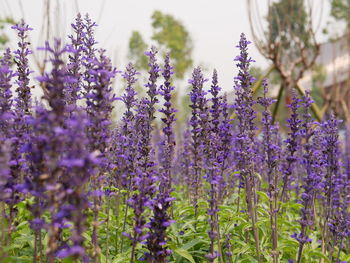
(334, 58)
(333, 81)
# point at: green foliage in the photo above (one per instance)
(318, 77)
(288, 23)
(287, 20)
(171, 36)
(137, 47)
(3, 37)
(340, 10)
(189, 245)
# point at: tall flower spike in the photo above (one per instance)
(79, 165)
(127, 152)
(156, 240)
(198, 106)
(311, 181)
(5, 172)
(292, 141)
(89, 48)
(270, 158)
(56, 137)
(269, 142)
(19, 130)
(6, 100)
(144, 177)
(213, 176)
(128, 124)
(245, 137)
(23, 101)
(168, 120)
(100, 98)
(186, 161)
(335, 188)
(75, 61)
(6, 117)
(244, 106)
(225, 135)
(129, 97)
(56, 80)
(245, 115)
(151, 86)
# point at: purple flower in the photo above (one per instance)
(269, 141)
(151, 86)
(245, 150)
(5, 172)
(156, 240)
(214, 158)
(99, 101)
(128, 140)
(145, 176)
(23, 101)
(198, 123)
(271, 154)
(77, 48)
(60, 161)
(245, 113)
(293, 144)
(312, 161)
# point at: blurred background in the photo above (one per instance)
(301, 44)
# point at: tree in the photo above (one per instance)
(340, 10)
(288, 41)
(171, 36)
(3, 37)
(137, 47)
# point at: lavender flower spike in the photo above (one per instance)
(199, 109)
(23, 102)
(245, 114)
(294, 124)
(156, 240)
(271, 159)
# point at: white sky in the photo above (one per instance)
(215, 26)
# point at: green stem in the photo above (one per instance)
(278, 102)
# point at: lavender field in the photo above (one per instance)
(230, 184)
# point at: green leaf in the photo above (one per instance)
(263, 195)
(68, 260)
(87, 237)
(103, 258)
(318, 254)
(192, 243)
(185, 254)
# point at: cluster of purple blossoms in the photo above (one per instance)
(74, 66)
(293, 144)
(245, 136)
(213, 164)
(128, 138)
(271, 157)
(161, 220)
(6, 122)
(199, 118)
(23, 101)
(14, 114)
(245, 114)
